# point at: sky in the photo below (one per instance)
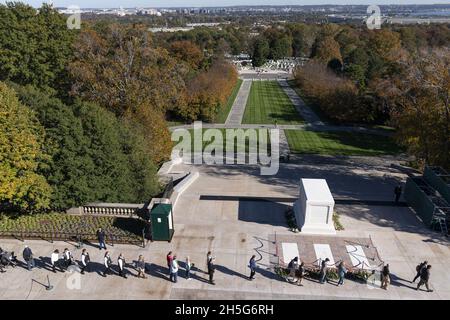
(211, 3)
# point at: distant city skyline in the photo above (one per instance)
(215, 3)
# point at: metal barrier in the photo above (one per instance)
(69, 236)
(439, 179)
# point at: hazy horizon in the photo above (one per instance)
(216, 3)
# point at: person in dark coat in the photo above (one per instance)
(85, 259)
(28, 257)
(67, 258)
(398, 192)
(424, 278)
(211, 267)
(121, 264)
(101, 236)
(385, 277)
(419, 269)
(107, 262)
(252, 266)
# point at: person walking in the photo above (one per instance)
(341, 273)
(28, 257)
(54, 260)
(85, 259)
(101, 236)
(107, 262)
(188, 266)
(169, 258)
(67, 258)
(252, 266)
(140, 265)
(323, 271)
(419, 269)
(174, 269)
(211, 267)
(385, 277)
(424, 278)
(398, 192)
(121, 264)
(301, 273)
(293, 266)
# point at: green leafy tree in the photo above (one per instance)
(35, 46)
(261, 52)
(21, 153)
(93, 155)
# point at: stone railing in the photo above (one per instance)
(111, 209)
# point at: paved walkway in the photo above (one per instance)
(284, 144)
(307, 114)
(237, 110)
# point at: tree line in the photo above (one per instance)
(83, 112)
(396, 76)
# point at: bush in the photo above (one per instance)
(337, 223)
(59, 225)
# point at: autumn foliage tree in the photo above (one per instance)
(121, 70)
(22, 187)
(336, 96)
(209, 91)
(188, 52)
(420, 102)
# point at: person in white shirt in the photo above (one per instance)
(121, 263)
(67, 256)
(174, 270)
(188, 265)
(107, 263)
(54, 259)
(85, 259)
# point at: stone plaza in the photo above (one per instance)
(235, 212)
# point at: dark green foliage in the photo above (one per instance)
(94, 157)
(34, 47)
(261, 52)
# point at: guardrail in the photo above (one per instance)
(73, 236)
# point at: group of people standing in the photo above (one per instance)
(297, 268)
(172, 264)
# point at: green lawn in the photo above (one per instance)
(340, 143)
(267, 104)
(222, 115)
(237, 143)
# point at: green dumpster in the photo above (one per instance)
(161, 219)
